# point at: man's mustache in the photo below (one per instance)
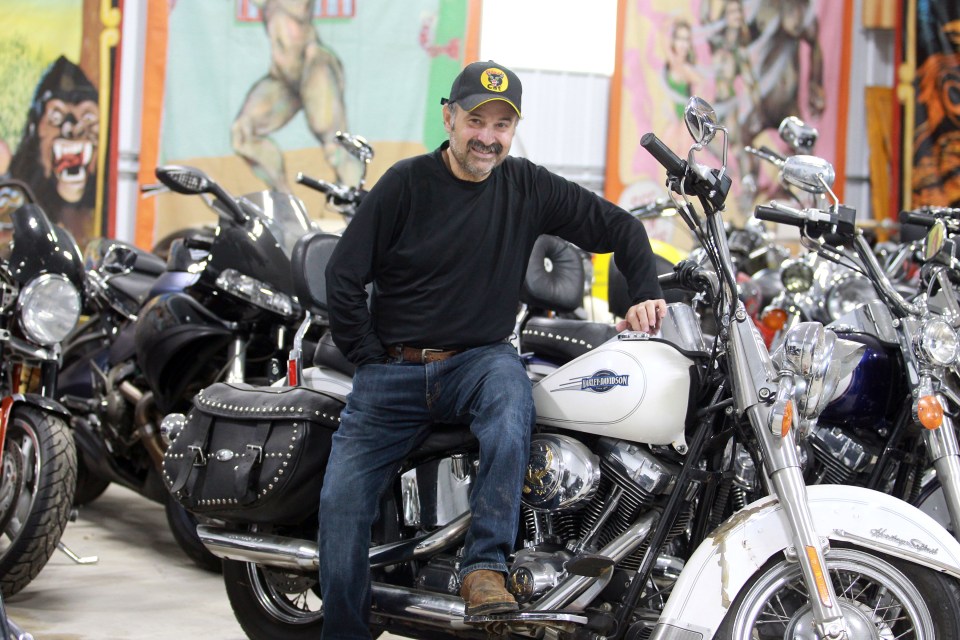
(495, 148)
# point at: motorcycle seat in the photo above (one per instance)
(444, 439)
(328, 355)
(562, 339)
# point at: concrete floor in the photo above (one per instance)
(142, 587)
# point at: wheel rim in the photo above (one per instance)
(879, 600)
(290, 598)
(22, 458)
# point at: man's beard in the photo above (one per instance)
(463, 158)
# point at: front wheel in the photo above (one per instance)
(39, 480)
(881, 598)
(272, 603)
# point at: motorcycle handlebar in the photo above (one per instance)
(773, 214)
(664, 155)
(925, 218)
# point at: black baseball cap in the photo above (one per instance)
(481, 82)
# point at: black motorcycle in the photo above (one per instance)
(41, 282)
(219, 309)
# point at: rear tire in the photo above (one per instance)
(39, 482)
(183, 526)
(884, 596)
(270, 603)
(90, 486)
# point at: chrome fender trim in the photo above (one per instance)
(726, 560)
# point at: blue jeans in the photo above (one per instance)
(388, 413)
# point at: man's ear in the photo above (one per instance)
(447, 118)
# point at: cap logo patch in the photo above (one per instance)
(494, 79)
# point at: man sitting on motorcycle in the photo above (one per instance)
(445, 238)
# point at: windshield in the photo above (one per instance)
(283, 215)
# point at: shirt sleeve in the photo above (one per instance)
(594, 224)
(352, 267)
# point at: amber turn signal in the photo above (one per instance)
(787, 420)
(930, 412)
(774, 319)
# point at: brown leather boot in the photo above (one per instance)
(485, 594)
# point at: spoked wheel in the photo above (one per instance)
(39, 479)
(272, 603)
(881, 598)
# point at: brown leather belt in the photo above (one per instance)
(420, 356)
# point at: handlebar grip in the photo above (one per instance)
(918, 218)
(772, 153)
(772, 214)
(663, 154)
(320, 185)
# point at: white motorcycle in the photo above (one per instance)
(617, 538)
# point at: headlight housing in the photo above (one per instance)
(49, 307)
(819, 361)
(848, 293)
(256, 292)
(937, 342)
(796, 276)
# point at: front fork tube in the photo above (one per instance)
(237, 358)
(755, 373)
(944, 452)
(787, 483)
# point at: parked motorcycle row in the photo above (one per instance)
(779, 462)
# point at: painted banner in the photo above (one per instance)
(755, 62)
(255, 90)
(935, 134)
(56, 68)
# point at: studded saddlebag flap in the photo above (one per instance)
(253, 454)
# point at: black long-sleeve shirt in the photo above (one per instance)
(447, 257)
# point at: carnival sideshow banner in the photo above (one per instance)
(755, 62)
(255, 91)
(936, 121)
(55, 63)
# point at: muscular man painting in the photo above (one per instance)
(303, 74)
(57, 155)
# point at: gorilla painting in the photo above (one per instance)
(57, 155)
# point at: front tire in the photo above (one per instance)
(882, 597)
(39, 481)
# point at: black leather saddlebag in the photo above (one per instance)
(253, 454)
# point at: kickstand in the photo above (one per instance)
(77, 559)
(69, 553)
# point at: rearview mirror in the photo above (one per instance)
(810, 173)
(186, 180)
(701, 120)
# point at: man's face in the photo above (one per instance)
(68, 136)
(480, 139)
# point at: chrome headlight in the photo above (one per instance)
(937, 342)
(796, 276)
(848, 293)
(255, 292)
(49, 308)
(818, 360)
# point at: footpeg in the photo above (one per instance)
(499, 624)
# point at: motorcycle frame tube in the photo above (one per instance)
(721, 566)
(753, 370)
(944, 452)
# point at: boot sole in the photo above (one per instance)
(492, 608)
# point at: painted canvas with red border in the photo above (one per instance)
(755, 62)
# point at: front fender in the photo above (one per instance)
(725, 561)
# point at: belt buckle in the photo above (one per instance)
(424, 352)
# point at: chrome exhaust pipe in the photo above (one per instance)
(279, 552)
(284, 552)
(422, 607)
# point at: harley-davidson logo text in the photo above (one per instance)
(603, 381)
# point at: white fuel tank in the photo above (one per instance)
(634, 389)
